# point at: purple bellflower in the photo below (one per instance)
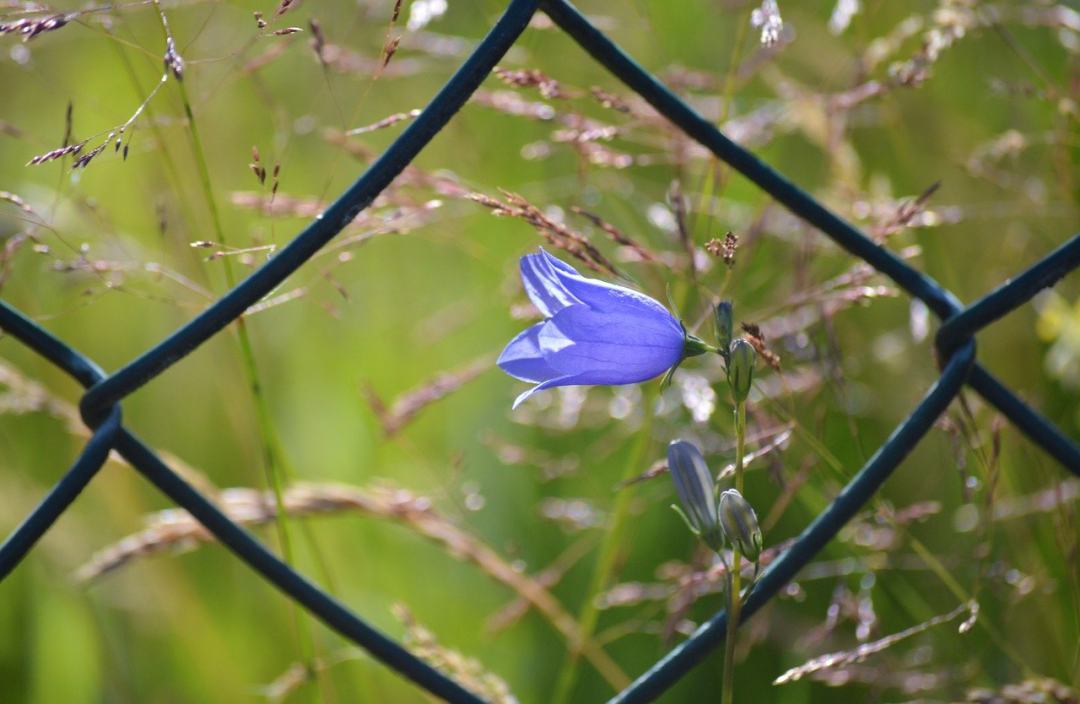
(593, 333)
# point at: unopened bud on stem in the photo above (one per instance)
(741, 369)
(724, 325)
(740, 524)
(697, 492)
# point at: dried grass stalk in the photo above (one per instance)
(531, 78)
(859, 654)
(772, 442)
(547, 577)
(176, 529)
(1036, 690)
(299, 673)
(468, 671)
(609, 100)
(406, 407)
(18, 202)
(615, 234)
(385, 122)
(389, 50)
(556, 233)
(511, 103)
(30, 27)
(57, 153)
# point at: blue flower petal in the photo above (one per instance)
(613, 347)
(602, 295)
(522, 358)
(557, 263)
(569, 380)
(597, 333)
(542, 284)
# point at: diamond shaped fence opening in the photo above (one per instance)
(955, 345)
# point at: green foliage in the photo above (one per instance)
(375, 369)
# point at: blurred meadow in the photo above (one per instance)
(365, 386)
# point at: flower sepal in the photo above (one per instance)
(694, 346)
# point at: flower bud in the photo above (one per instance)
(697, 491)
(724, 324)
(740, 524)
(741, 369)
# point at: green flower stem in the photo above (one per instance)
(605, 564)
(727, 692)
(267, 430)
(271, 444)
(740, 443)
(734, 582)
(714, 171)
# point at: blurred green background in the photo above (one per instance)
(981, 97)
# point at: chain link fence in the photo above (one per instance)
(955, 346)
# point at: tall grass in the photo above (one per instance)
(532, 553)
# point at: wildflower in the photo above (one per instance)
(697, 492)
(740, 524)
(594, 332)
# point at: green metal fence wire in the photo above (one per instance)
(955, 345)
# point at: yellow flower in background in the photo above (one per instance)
(1059, 325)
